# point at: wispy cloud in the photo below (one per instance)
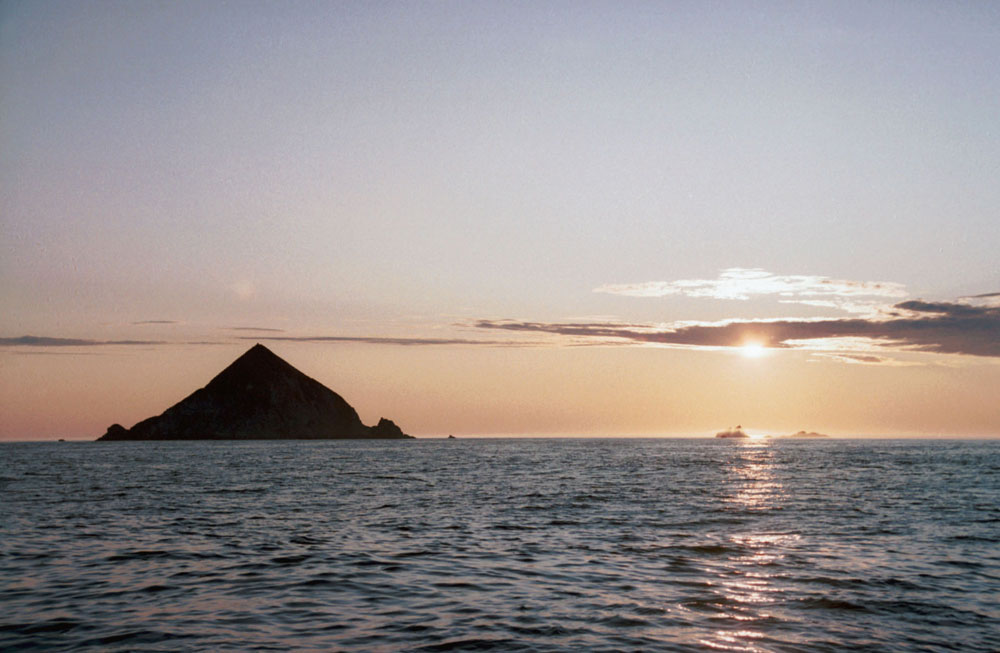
(157, 322)
(936, 327)
(862, 359)
(744, 283)
(858, 359)
(846, 305)
(44, 341)
(253, 328)
(985, 299)
(401, 341)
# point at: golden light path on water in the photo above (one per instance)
(744, 584)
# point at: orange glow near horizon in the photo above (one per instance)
(434, 391)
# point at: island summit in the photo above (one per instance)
(258, 397)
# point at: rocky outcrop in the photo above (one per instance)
(732, 433)
(116, 432)
(804, 434)
(259, 396)
(386, 428)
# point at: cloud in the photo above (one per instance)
(43, 341)
(846, 305)
(744, 283)
(157, 322)
(251, 328)
(402, 341)
(986, 299)
(936, 327)
(55, 343)
(942, 308)
(862, 359)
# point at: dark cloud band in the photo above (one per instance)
(43, 341)
(404, 342)
(938, 327)
(253, 328)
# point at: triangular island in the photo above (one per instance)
(258, 397)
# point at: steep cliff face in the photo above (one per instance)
(259, 396)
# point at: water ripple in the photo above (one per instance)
(540, 545)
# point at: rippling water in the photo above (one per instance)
(541, 545)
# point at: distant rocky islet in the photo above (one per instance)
(738, 433)
(258, 397)
(732, 433)
(805, 434)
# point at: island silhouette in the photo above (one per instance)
(738, 432)
(258, 397)
(732, 433)
(805, 434)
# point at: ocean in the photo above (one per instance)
(501, 544)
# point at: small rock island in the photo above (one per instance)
(732, 433)
(805, 434)
(258, 397)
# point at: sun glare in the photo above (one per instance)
(753, 350)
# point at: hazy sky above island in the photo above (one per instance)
(506, 218)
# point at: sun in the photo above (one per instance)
(753, 350)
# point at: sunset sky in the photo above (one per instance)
(506, 218)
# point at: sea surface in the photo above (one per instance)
(506, 545)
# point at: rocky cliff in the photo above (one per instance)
(259, 396)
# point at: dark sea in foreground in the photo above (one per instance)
(507, 545)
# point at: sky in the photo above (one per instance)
(518, 218)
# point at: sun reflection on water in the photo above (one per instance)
(745, 585)
(756, 486)
(734, 640)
